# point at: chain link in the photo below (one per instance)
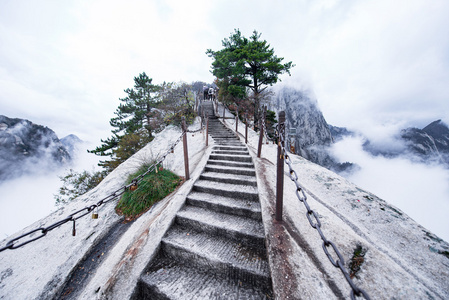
(195, 131)
(14, 243)
(265, 129)
(315, 221)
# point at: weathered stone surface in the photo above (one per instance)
(215, 248)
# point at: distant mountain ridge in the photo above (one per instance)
(70, 142)
(26, 147)
(430, 144)
(314, 136)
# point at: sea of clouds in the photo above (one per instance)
(28, 198)
(420, 190)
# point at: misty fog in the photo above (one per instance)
(27, 199)
(420, 190)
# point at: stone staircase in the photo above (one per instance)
(215, 248)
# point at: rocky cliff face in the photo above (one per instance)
(312, 137)
(25, 146)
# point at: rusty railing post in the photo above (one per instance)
(280, 168)
(207, 131)
(246, 128)
(259, 148)
(202, 115)
(184, 142)
(223, 112)
(236, 119)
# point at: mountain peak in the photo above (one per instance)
(437, 129)
(26, 147)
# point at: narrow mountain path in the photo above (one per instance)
(215, 249)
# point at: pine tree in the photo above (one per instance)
(134, 116)
(246, 64)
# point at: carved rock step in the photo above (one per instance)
(240, 207)
(229, 178)
(226, 139)
(239, 228)
(232, 148)
(220, 255)
(220, 130)
(242, 158)
(230, 170)
(229, 163)
(228, 143)
(175, 281)
(245, 192)
(231, 152)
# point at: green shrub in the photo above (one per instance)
(75, 184)
(153, 187)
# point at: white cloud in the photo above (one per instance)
(420, 190)
(30, 197)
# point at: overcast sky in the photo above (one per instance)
(374, 65)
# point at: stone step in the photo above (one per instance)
(230, 169)
(215, 248)
(244, 208)
(238, 228)
(225, 138)
(246, 192)
(218, 254)
(232, 148)
(168, 280)
(229, 163)
(229, 178)
(219, 127)
(242, 158)
(228, 143)
(231, 152)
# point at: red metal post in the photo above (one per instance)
(184, 141)
(280, 168)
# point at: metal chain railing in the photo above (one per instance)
(14, 243)
(197, 130)
(314, 220)
(265, 132)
